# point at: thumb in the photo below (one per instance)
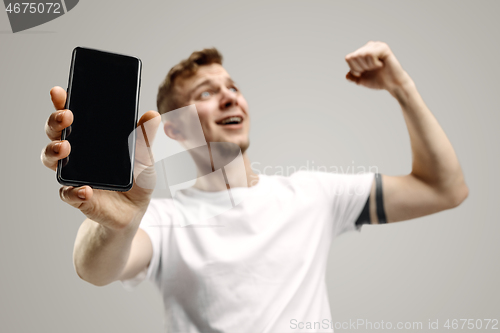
(378, 62)
(145, 133)
(352, 78)
(144, 161)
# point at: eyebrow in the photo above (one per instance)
(208, 81)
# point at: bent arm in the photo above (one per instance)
(102, 255)
(436, 181)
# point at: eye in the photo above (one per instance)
(233, 89)
(205, 94)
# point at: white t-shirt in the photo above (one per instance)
(257, 267)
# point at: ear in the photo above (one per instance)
(172, 131)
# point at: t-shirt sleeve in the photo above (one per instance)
(344, 195)
(351, 202)
(150, 224)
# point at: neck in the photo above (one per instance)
(236, 173)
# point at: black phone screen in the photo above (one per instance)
(103, 94)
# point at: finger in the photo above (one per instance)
(360, 64)
(53, 152)
(369, 61)
(378, 63)
(148, 116)
(361, 61)
(373, 62)
(381, 51)
(144, 172)
(58, 121)
(58, 96)
(356, 69)
(352, 78)
(76, 196)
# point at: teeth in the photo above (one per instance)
(236, 119)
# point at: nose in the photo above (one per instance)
(228, 99)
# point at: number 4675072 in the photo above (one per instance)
(32, 8)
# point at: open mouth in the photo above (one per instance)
(234, 120)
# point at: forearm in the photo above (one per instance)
(434, 159)
(100, 254)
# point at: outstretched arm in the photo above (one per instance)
(436, 181)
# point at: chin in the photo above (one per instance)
(244, 143)
(244, 146)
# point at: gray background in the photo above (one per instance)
(288, 57)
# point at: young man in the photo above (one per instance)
(264, 266)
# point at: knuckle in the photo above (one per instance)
(43, 156)
(47, 128)
(378, 44)
(62, 194)
(49, 151)
(46, 152)
(350, 55)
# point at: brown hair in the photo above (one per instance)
(167, 99)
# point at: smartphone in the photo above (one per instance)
(103, 94)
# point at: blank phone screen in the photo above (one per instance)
(103, 96)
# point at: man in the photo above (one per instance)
(265, 266)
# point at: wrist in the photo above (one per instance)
(403, 90)
(126, 231)
(122, 229)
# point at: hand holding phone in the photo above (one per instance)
(115, 210)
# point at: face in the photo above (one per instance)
(222, 109)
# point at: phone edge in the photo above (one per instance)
(129, 186)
